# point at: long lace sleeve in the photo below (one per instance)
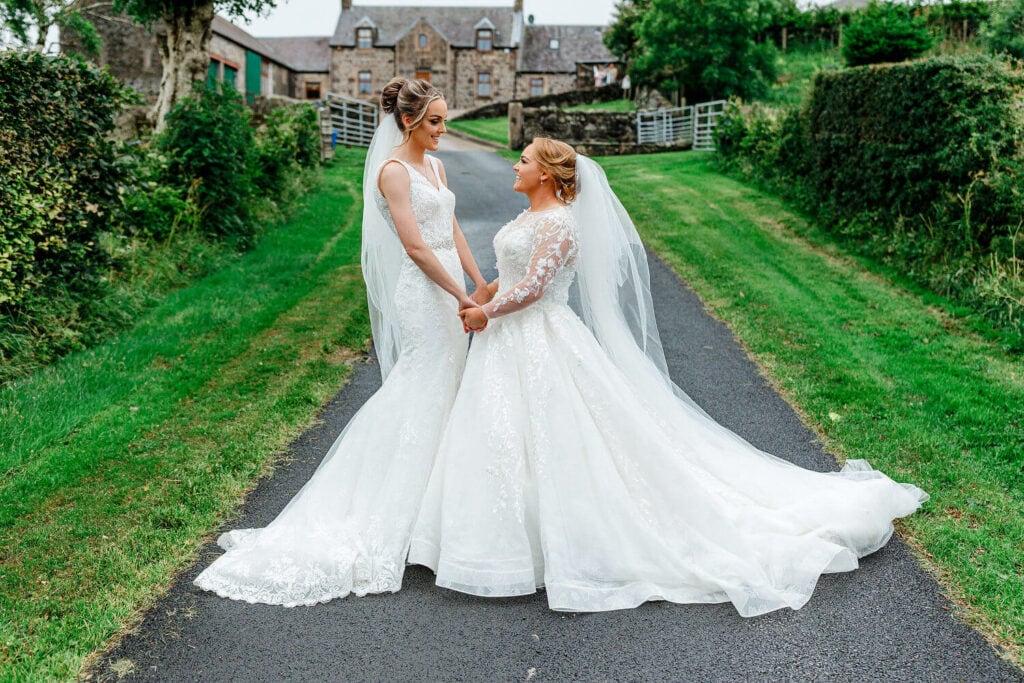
(554, 246)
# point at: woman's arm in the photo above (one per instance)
(465, 254)
(394, 185)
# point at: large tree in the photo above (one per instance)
(184, 40)
(706, 48)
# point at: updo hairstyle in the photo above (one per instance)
(402, 96)
(558, 160)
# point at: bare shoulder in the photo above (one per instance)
(393, 178)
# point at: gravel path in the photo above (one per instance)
(888, 620)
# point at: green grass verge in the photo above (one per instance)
(118, 460)
(613, 106)
(874, 369)
(495, 130)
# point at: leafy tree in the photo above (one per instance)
(885, 32)
(29, 21)
(706, 48)
(1004, 31)
(185, 41)
(621, 38)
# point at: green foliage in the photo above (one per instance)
(29, 21)
(885, 32)
(958, 20)
(288, 140)
(622, 37)
(919, 163)
(208, 144)
(148, 11)
(704, 47)
(59, 174)
(1004, 31)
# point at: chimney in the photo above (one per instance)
(518, 6)
(346, 5)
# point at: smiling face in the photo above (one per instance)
(528, 172)
(428, 133)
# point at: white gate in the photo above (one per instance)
(664, 126)
(353, 122)
(705, 117)
(694, 124)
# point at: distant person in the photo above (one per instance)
(611, 74)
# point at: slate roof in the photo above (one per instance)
(306, 53)
(235, 34)
(575, 44)
(456, 24)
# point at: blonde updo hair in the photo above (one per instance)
(558, 160)
(402, 96)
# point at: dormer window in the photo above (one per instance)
(484, 39)
(553, 44)
(364, 38)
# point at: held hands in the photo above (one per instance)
(466, 303)
(473, 319)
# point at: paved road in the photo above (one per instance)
(886, 621)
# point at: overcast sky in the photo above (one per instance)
(318, 17)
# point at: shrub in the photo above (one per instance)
(885, 32)
(59, 173)
(288, 140)
(208, 145)
(1004, 31)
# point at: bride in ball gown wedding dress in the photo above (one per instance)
(572, 462)
(347, 530)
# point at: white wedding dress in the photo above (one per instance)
(559, 469)
(347, 530)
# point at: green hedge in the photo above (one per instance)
(920, 163)
(59, 173)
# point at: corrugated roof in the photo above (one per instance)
(306, 53)
(575, 44)
(455, 23)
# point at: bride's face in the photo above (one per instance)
(428, 133)
(528, 172)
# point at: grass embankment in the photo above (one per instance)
(874, 369)
(116, 461)
(494, 130)
(621, 106)
(795, 72)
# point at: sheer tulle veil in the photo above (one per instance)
(613, 280)
(382, 251)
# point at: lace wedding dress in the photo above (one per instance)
(560, 470)
(347, 530)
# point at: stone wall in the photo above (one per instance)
(566, 99)
(347, 62)
(435, 58)
(468, 63)
(128, 50)
(300, 79)
(590, 132)
(554, 84)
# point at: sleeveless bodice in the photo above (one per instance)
(433, 208)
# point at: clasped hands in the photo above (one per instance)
(473, 317)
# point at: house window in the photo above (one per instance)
(423, 74)
(312, 90)
(553, 43)
(423, 40)
(484, 39)
(536, 87)
(483, 84)
(365, 84)
(364, 38)
(230, 76)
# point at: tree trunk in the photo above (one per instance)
(184, 50)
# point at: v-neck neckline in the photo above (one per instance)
(437, 188)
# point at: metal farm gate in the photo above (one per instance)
(694, 124)
(353, 122)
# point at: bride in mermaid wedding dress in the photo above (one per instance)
(572, 462)
(347, 530)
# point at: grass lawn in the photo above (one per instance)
(874, 369)
(117, 461)
(613, 105)
(495, 130)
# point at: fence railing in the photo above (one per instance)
(353, 122)
(694, 124)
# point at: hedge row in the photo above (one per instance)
(919, 162)
(82, 215)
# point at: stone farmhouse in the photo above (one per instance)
(475, 55)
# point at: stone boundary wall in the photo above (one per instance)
(565, 99)
(590, 132)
